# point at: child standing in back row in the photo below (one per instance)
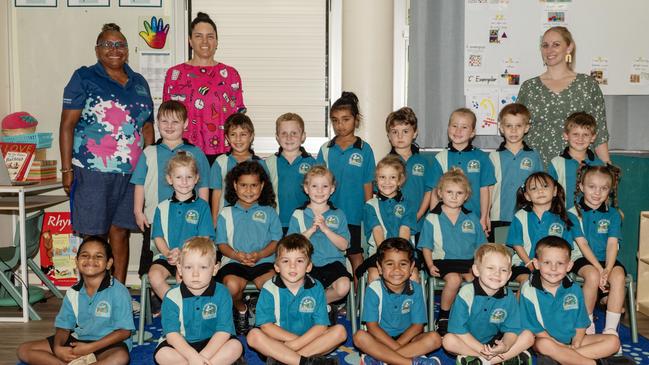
(351, 160)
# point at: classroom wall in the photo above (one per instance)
(4, 58)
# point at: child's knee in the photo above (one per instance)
(361, 337)
(339, 332)
(544, 346)
(453, 280)
(616, 277)
(449, 341)
(254, 337)
(433, 340)
(342, 286)
(590, 275)
(22, 352)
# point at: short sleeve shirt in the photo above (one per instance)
(217, 178)
(484, 316)
(476, 166)
(564, 169)
(352, 167)
(108, 310)
(395, 212)
(108, 135)
(559, 315)
(450, 241)
(549, 111)
(526, 224)
(394, 312)
(253, 229)
(511, 171)
(598, 226)
(211, 94)
(197, 317)
(186, 219)
(324, 251)
(295, 313)
(290, 179)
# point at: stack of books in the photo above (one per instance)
(42, 170)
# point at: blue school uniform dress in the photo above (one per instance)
(220, 168)
(511, 171)
(151, 172)
(597, 226)
(476, 166)
(248, 230)
(484, 316)
(450, 241)
(287, 179)
(564, 168)
(389, 214)
(394, 312)
(324, 251)
(527, 229)
(422, 176)
(177, 221)
(295, 313)
(197, 317)
(559, 315)
(92, 318)
(352, 168)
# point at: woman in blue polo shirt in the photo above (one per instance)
(106, 120)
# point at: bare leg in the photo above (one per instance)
(453, 282)
(268, 346)
(373, 347)
(170, 356)
(454, 344)
(591, 284)
(356, 260)
(330, 339)
(338, 289)
(228, 353)
(158, 275)
(617, 290)
(37, 353)
(235, 286)
(422, 344)
(118, 239)
(114, 356)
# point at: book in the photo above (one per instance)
(18, 158)
(58, 248)
(42, 170)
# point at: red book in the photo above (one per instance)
(59, 248)
(18, 158)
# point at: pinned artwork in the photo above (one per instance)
(484, 103)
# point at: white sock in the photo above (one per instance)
(612, 321)
(591, 329)
(244, 311)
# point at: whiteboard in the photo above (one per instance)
(503, 37)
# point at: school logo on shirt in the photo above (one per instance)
(356, 159)
(304, 168)
(602, 226)
(526, 164)
(332, 222)
(418, 169)
(307, 305)
(473, 166)
(499, 315)
(191, 216)
(259, 216)
(399, 210)
(570, 302)
(405, 306)
(468, 227)
(102, 309)
(209, 311)
(556, 229)
(141, 90)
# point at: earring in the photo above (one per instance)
(568, 58)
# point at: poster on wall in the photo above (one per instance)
(88, 3)
(35, 3)
(141, 3)
(484, 103)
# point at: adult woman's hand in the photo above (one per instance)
(69, 119)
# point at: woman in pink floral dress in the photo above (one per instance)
(210, 90)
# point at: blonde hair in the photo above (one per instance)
(455, 176)
(567, 37)
(393, 161)
(486, 248)
(319, 170)
(201, 245)
(465, 111)
(182, 159)
(289, 117)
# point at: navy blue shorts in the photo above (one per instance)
(164, 263)
(329, 273)
(250, 273)
(99, 200)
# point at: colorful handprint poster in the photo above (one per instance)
(153, 31)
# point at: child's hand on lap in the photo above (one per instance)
(433, 270)
(80, 348)
(173, 256)
(65, 353)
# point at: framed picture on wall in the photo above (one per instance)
(141, 3)
(88, 3)
(35, 3)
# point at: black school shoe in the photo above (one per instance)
(332, 312)
(241, 322)
(545, 360)
(616, 360)
(319, 360)
(442, 326)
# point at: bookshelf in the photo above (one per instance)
(643, 264)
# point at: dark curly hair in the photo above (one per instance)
(252, 167)
(558, 206)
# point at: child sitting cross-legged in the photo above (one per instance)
(485, 323)
(292, 326)
(395, 313)
(197, 314)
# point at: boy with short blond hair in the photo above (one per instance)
(513, 162)
(485, 322)
(395, 312)
(292, 326)
(197, 314)
(288, 166)
(474, 162)
(553, 308)
(579, 131)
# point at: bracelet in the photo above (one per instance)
(66, 170)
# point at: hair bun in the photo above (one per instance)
(349, 95)
(202, 15)
(110, 27)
